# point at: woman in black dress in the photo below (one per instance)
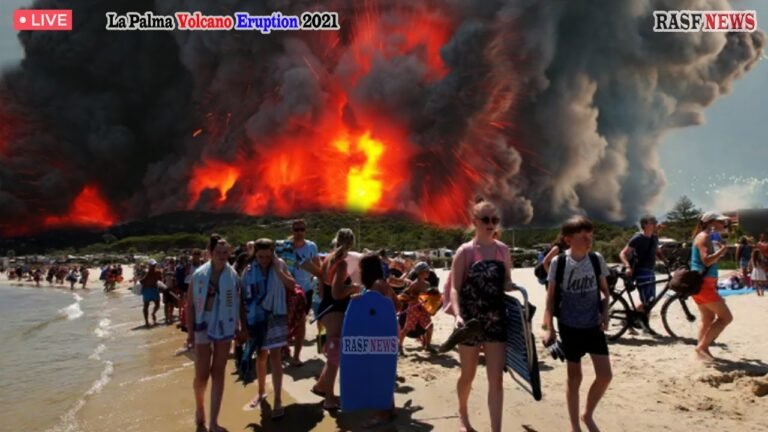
(480, 275)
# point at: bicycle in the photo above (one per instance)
(676, 316)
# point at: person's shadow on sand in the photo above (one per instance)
(310, 369)
(402, 422)
(298, 417)
(752, 367)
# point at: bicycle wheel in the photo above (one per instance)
(618, 314)
(680, 318)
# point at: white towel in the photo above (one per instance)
(276, 300)
(223, 319)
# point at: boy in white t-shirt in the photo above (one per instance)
(576, 282)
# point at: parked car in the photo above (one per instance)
(524, 257)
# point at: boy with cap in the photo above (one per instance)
(416, 315)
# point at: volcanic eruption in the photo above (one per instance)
(413, 107)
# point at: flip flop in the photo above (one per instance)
(469, 331)
(255, 402)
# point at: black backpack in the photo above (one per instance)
(560, 273)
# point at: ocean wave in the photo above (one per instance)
(103, 330)
(167, 373)
(73, 311)
(68, 421)
(96, 355)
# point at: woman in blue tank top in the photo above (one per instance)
(715, 315)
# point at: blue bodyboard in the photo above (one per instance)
(369, 348)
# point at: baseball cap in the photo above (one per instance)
(152, 262)
(420, 267)
(712, 216)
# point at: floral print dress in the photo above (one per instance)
(481, 296)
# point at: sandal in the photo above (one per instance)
(255, 402)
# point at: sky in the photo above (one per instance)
(721, 165)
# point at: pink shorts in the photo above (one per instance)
(708, 293)
(417, 317)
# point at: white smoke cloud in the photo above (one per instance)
(743, 194)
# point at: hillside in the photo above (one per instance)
(184, 230)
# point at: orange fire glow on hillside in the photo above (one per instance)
(88, 209)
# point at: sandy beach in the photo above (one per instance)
(658, 384)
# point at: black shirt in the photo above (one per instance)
(645, 251)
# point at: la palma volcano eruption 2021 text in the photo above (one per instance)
(414, 107)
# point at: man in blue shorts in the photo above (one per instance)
(639, 258)
(300, 254)
(150, 291)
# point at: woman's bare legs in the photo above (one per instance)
(327, 381)
(218, 366)
(495, 355)
(202, 372)
(723, 317)
(275, 359)
(468, 357)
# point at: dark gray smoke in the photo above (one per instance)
(605, 88)
(555, 107)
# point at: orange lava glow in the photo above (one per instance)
(331, 162)
(213, 175)
(88, 210)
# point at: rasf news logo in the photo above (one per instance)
(369, 345)
(704, 21)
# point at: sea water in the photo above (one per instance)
(60, 348)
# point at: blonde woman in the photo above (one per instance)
(337, 288)
(480, 275)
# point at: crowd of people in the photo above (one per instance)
(272, 287)
(256, 299)
(54, 275)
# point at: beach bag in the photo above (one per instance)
(687, 282)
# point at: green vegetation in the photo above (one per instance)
(169, 233)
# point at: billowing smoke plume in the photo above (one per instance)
(545, 107)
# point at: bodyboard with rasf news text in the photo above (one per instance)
(369, 348)
(522, 361)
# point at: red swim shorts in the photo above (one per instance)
(708, 293)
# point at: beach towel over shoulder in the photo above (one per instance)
(222, 320)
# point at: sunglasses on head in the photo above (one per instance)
(489, 220)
